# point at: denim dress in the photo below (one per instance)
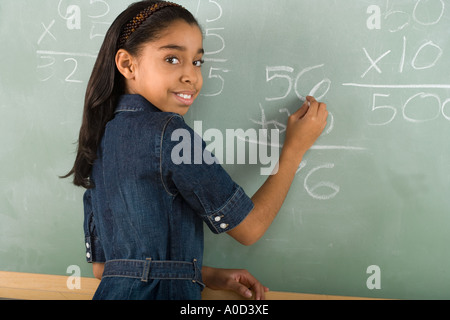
(144, 217)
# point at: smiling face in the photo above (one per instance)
(167, 71)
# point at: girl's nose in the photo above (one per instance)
(190, 74)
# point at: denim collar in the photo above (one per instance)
(134, 103)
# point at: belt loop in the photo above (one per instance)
(146, 271)
(195, 271)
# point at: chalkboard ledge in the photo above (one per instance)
(29, 286)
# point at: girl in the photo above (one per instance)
(144, 214)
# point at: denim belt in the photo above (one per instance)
(149, 269)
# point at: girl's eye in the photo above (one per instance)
(172, 60)
(199, 63)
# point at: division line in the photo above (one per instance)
(319, 147)
(398, 86)
(314, 147)
(72, 54)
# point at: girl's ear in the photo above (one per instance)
(125, 64)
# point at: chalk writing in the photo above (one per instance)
(273, 73)
(51, 62)
(421, 65)
(298, 82)
(427, 56)
(215, 39)
(397, 20)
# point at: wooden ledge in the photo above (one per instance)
(29, 286)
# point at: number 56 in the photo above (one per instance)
(286, 74)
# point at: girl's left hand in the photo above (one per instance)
(237, 280)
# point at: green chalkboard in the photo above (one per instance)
(368, 212)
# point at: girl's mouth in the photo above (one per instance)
(185, 98)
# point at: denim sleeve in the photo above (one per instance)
(187, 169)
(94, 249)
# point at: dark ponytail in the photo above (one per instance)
(106, 84)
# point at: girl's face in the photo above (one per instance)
(168, 71)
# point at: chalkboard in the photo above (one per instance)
(368, 212)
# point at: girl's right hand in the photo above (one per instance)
(305, 126)
(303, 129)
